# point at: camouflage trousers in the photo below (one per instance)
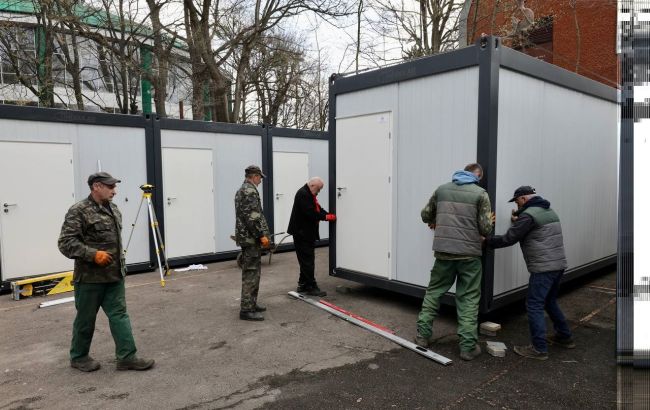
(251, 268)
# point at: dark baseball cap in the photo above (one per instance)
(254, 170)
(521, 191)
(103, 177)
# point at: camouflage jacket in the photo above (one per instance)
(250, 222)
(87, 228)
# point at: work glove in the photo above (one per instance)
(330, 217)
(264, 241)
(103, 258)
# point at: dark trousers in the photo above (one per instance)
(88, 298)
(251, 270)
(542, 295)
(305, 255)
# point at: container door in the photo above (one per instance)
(188, 186)
(363, 194)
(290, 173)
(36, 190)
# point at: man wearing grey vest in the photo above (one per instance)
(460, 213)
(537, 229)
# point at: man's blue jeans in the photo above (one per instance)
(542, 295)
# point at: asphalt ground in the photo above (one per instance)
(300, 357)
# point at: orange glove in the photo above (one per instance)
(103, 258)
(330, 217)
(265, 242)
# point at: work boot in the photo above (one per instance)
(315, 291)
(423, 341)
(135, 363)
(530, 352)
(85, 364)
(303, 288)
(471, 354)
(248, 315)
(260, 308)
(567, 342)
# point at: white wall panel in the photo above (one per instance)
(318, 166)
(370, 101)
(118, 150)
(564, 143)
(436, 136)
(232, 154)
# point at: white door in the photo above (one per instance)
(36, 190)
(363, 194)
(188, 186)
(290, 173)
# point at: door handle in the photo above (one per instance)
(340, 189)
(169, 199)
(6, 207)
(277, 196)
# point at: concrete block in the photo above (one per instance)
(489, 328)
(496, 349)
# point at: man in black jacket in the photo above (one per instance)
(537, 229)
(303, 225)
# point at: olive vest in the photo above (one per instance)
(457, 230)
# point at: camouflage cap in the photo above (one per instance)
(103, 177)
(521, 191)
(254, 170)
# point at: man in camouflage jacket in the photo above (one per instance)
(460, 213)
(91, 235)
(252, 234)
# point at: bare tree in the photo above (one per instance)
(217, 30)
(424, 26)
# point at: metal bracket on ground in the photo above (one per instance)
(396, 339)
(51, 284)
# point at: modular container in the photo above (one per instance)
(399, 132)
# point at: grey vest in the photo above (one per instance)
(457, 219)
(543, 247)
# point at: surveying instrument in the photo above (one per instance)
(147, 190)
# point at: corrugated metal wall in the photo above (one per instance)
(318, 166)
(436, 135)
(231, 154)
(564, 143)
(118, 150)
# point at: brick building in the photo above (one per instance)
(578, 35)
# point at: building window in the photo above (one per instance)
(17, 55)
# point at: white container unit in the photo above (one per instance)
(201, 168)
(297, 156)
(398, 133)
(46, 157)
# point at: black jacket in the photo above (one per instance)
(304, 216)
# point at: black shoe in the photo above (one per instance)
(471, 354)
(256, 316)
(316, 292)
(135, 363)
(260, 308)
(85, 364)
(422, 341)
(303, 288)
(530, 352)
(566, 343)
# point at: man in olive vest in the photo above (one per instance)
(537, 229)
(460, 213)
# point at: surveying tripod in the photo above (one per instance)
(147, 189)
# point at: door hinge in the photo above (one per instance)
(389, 180)
(388, 255)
